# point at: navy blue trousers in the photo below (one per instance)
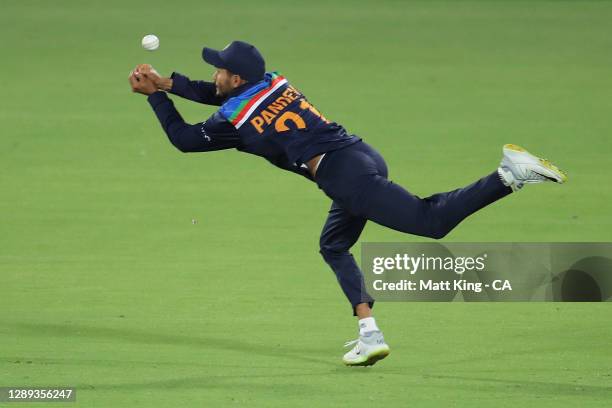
(355, 178)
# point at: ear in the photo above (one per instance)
(237, 81)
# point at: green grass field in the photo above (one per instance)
(107, 284)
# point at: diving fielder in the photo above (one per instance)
(263, 114)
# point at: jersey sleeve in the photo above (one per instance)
(197, 91)
(214, 134)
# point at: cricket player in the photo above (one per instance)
(261, 113)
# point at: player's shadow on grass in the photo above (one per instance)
(273, 350)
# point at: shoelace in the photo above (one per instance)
(350, 343)
(537, 176)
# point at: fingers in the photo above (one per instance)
(140, 71)
(133, 81)
(149, 72)
(142, 78)
(139, 76)
(136, 74)
(141, 83)
(144, 68)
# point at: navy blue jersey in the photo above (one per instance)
(269, 118)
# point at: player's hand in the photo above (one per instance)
(148, 71)
(162, 83)
(141, 84)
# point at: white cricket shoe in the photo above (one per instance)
(518, 167)
(369, 348)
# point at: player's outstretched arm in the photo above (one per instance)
(197, 91)
(180, 85)
(202, 137)
(214, 134)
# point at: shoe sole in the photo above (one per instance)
(372, 358)
(561, 176)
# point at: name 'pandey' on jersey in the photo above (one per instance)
(270, 118)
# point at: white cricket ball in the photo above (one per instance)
(150, 42)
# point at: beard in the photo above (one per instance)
(223, 91)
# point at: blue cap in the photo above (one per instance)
(239, 58)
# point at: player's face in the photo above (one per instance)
(225, 81)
